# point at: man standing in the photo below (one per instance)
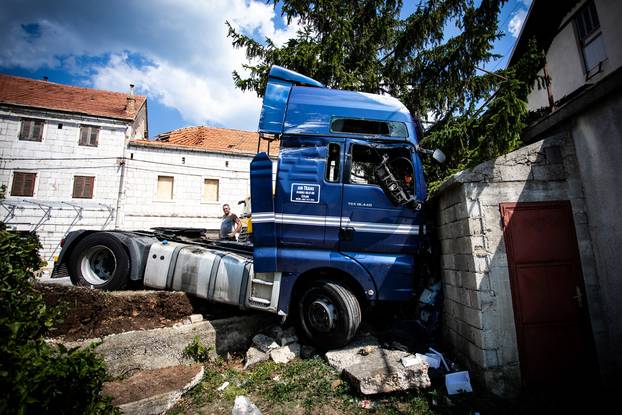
(230, 226)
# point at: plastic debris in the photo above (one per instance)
(458, 382)
(223, 387)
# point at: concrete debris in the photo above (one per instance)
(285, 354)
(350, 354)
(307, 351)
(195, 318)
(254, 356)
(244, 406)
(283, 337)
(382, 372)
(264, 343)
(222, 387)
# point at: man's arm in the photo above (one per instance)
(238, 223)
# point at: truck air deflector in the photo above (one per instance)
(264, 237)
(274, 107)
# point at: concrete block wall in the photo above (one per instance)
(478, 313)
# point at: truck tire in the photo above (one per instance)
(329, 314)
(100, 261)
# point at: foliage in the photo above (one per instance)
(366, 45)
(197, 351)
(35, 376)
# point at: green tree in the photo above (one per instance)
(37, 377)
(366, 45)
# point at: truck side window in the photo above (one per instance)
(390, 168)
(332, 163)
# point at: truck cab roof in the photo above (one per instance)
(296, 104)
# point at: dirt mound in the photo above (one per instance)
(90, 313)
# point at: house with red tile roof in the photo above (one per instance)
(73, 157)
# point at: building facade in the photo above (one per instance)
(74, 158)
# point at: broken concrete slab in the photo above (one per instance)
(244, 406)
(264, 343)
(254, 356)
(351, 354)
(285, 354)
(151, 349)
(381, 371)
(153, 391)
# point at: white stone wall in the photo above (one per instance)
(141, 208)
(56, 160)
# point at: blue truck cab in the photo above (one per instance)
(337, 224)
(346, 209)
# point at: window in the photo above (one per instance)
(32, 130)
(590, 39)
(391, 168)
(369, 127)
(210, 190)
(23, 184)
(88, 135)
(332, 163)
(83, 187)
(165, 188)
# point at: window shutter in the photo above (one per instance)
(165, 188)
(23, 184)
(77, 186)
(210, 190)
(83, 135)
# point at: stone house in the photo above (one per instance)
(530, 240)
(61, 149)
(75, 158)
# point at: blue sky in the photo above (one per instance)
(175, 51)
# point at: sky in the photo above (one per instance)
(176, 52)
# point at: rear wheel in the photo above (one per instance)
(329, 314)
(100, 261)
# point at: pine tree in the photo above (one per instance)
(366, 45)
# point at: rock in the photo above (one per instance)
(382, 371)
(285, 354)
(264, 343)
(283, 337)
(254, 356)
(285, 340)
(195, 318)
(349, 355)
(244, 406)
(307, 351)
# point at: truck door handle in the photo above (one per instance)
(346, 233)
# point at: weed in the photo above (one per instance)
(197, 351)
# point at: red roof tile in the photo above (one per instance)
(222, 140)
(48, 95)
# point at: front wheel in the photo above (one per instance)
(100, 261)
(329, 314)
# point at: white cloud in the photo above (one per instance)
(526, 2)
(189, 58)
(516, 23)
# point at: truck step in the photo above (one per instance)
(261, 282)
(259, 300)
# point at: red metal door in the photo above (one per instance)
(554, 338)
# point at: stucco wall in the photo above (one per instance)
(478, 313)
(597, 136)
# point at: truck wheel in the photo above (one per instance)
(329, 314)
(100, 261)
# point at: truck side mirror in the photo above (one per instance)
(439, 156)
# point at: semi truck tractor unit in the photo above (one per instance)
(339, 228)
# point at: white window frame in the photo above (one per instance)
(155, 189)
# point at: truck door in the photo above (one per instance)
(308, 193)
(376, 214)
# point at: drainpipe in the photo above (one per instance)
(130, 108)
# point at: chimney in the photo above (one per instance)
(131, 101)
(45, 78)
